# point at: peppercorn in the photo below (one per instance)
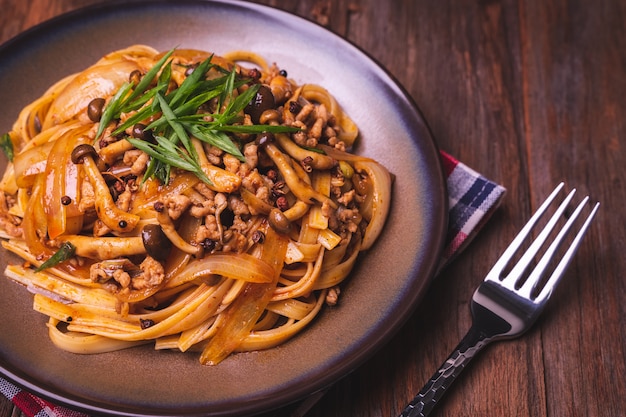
(254, 73)
(258, 236)
(146, 323)
(306, 163)
(271, 174)
(208, 244)
(159, 206)
(282, 203)
(278, 189)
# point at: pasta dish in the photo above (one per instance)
(196, 202)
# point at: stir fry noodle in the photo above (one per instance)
(197, 202)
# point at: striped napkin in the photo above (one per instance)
(472, 200)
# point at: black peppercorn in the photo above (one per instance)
(258, 236)
(146, 323)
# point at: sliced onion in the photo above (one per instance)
(99, 81)
(240, 266)
(29, 163)
(63, 179)
(244, 312)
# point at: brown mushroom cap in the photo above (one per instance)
(155, 241)
(279, 221)
(81, 151)
(94, 109)
(263, 100)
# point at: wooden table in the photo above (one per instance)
(529, 93)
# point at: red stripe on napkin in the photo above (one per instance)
(472, 199)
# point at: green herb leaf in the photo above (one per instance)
(179, 130)
(176, 118)
(142, 114)
(192, 105)
(236, 105)
(316, 150)
(180, 95)
(158, 169)
(112, 109)
(217, 139)
(227, 93)
(65, 252)
(7, 146)
(255, 129)
(149, 77)
(168, 153)
(135, 100)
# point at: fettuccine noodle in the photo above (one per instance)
(151, 205)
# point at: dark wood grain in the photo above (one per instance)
(529, 93)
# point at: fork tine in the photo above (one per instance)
(535, 276)
(501, 263)
(569, 254)
(522, 265)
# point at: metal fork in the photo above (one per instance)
(506, 304)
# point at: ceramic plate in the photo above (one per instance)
(381, 292)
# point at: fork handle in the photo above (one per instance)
(433, 391)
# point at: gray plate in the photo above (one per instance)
(381, 292)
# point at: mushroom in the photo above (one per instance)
(169, 229)
(298, 187)
(141, 132)
(281, 88)
(94, 109)
(114, 150)
(279, 221)
(222, 181)
(114, 218)
(155, 241)
(105, 247)
(315, 159)
(81, 151)
(263, 100)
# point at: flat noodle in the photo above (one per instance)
(197, 202)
